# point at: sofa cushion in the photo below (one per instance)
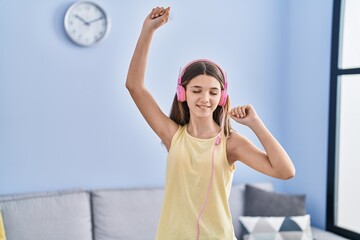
(131, 214)
(289, 228)
(47, 216)
(237, 199)
(264, 203)
(8, 197)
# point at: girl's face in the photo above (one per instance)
(203, 95)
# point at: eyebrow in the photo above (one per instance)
(213, 88)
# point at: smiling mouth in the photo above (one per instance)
(203, 107)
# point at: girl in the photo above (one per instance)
(202, 148)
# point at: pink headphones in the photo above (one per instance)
(180, 90)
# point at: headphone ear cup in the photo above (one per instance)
(223, 98)
(180, 93)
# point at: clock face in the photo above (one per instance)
(86, 23)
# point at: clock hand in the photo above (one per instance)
(82, 20)
(94, 20)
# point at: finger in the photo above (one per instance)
(234, 117)
(241, 111)
(166, 15)
(234, 112)
(157, 12)
(152, 13)
(231, 112)
(246, 110)
(238, 112)
(160, 12)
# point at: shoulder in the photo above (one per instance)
(173, 131)
(234, 138)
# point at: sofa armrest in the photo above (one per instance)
(320, 234)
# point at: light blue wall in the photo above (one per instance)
(67, 121)
(306, 101)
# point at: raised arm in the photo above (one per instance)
(274, 161)
(162, 125)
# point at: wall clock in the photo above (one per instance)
(86, 23)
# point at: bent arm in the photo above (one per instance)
(274, 161)
(279, 161)
(162, 125)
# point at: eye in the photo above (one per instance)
(197, 91)
(214, 93)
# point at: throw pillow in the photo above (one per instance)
(265, 203)
(2, 230)
(276, 228)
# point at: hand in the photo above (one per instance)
(81, 19)
(157, 17)
(245, 115)
(94, 20)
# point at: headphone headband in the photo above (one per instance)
(182, 70)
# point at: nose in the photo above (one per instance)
(205, 97)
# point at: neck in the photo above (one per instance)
(203, 128)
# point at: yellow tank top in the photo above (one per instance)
(188, 173)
